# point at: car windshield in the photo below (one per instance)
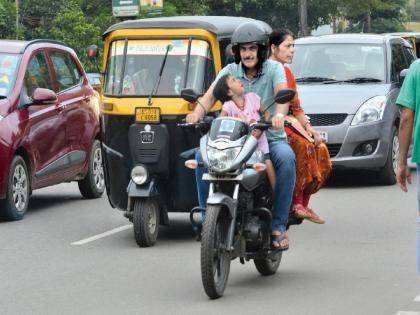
(133, 69)
(329, 63)
(8, 70)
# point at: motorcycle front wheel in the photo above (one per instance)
(215, 259)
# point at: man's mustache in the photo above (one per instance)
(248, 58)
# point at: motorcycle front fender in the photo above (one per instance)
(146, 190)
(222, 199)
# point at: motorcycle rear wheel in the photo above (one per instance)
(215, 260)
(268, 266)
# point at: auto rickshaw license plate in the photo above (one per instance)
(148, 114)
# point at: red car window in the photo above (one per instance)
(67, 73)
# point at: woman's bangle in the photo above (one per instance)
(281, 115)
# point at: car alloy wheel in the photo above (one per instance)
(20, 188)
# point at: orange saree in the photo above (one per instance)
(313, 164)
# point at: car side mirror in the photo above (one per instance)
(43, 97)
(189, 95)
(284, 96)
(403, 74)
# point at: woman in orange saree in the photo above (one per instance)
(313, 164)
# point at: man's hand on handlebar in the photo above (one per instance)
(192, 118)
(278, 121)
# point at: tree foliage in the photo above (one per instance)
(74, 29)
(7, 19)
(277, 13)
(376, 16)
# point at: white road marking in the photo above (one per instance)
(98, 236)
(408, 313)
(417, 298)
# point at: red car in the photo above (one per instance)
(49, 124)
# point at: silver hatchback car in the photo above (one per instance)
(348, 85)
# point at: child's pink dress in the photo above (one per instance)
(250, 114)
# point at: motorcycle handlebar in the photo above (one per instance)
(206, 120)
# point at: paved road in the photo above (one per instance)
(361, 262)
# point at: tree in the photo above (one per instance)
(374, 15)
(37, 16)
(7, 19)
(73, 28)
(277, 13)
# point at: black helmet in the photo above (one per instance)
(249, 32)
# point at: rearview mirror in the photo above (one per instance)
(284, 96)
(93, 52)
(93, 55)
(43, 97)
(189, 95)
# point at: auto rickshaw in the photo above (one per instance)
(413, 38)
(147, 63)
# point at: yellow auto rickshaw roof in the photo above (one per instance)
(221, 26)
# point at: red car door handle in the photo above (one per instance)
(59, 108)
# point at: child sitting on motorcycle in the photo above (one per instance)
(247, 107)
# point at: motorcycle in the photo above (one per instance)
(238, 219)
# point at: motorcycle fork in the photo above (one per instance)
(233, 222)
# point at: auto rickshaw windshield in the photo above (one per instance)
(133, 67)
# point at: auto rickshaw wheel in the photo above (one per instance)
(145, 221)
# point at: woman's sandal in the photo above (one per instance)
(278, 239)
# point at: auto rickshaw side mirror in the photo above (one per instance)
(189, 95)
(93, 52)
(93, 55)
(284, 96)
(403, 74)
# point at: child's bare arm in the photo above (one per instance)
(223, 113)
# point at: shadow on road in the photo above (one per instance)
(45, 202)
(353, 178)
(179, 229)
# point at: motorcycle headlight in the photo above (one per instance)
(222, 159)
(139, 174)
(372, 110)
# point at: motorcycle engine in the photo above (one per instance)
(254, 231)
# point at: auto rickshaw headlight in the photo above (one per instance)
(139, 174)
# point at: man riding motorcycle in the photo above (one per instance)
(265, 78)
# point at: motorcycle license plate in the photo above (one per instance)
(147, 114)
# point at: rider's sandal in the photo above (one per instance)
(278, 239)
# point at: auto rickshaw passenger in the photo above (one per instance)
(265, 78)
